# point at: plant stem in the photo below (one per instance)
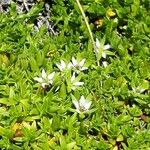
(88, 27)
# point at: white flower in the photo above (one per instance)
(79, 66)
(75, 82)
(45, 79)
(104, 47)
(105, 63)
(62, 66)
(82, 105)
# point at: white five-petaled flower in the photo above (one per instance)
(62, 66)
(75, 83)
(45, 79)
(79, 66)
(104, 47)
(82, 105)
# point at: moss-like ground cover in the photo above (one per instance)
(64, 89)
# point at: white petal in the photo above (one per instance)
(82, 62)
(97, 43)
(50, 76)
(44, 74)
(96, 51)
(78, 83)
(69, 66)
(82, 101)
(87, 105)
(77, 71)
(73, 77)
(142, 90)
(57, 89)
(115, 20)
(63, 65)
(105, 63)
(59, 66)
(50, 81)
(43, 85)
(107, 47)
(38, 79)
(103, 54)
(76, 104)
(73, 88)
(74, 61)
(84, 68)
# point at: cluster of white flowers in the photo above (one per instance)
(45, 80)
(74, 64)
(75, 67)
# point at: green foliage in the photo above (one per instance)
(33, 116)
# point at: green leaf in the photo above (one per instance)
(62, 92)
(135, 111)
(71, 145)
(39, 58)
(55, 123)
(33, 64)
(13, 10)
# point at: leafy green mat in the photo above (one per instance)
(57, 93)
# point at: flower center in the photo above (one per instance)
(82, 108)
